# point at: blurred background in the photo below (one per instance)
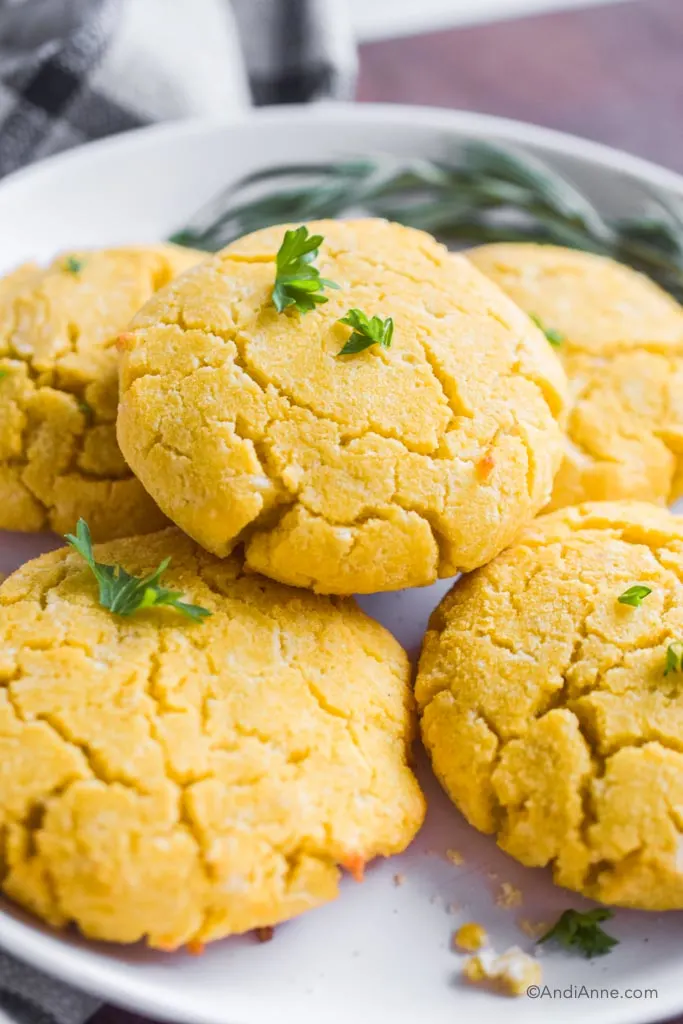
(74, 70)
(609, 71)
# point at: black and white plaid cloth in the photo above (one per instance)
(76, 70)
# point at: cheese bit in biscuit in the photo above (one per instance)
(355, 865)
(124, 594)
(367, 331)
(297, 282)
(582, 932)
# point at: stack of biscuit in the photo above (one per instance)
(199, 729)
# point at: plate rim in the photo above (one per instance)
(341, 113)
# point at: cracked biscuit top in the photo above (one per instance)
(174, 781)
(59, 390)
(553, 712)
(363, 472)
(622, 348)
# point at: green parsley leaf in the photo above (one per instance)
(582, 932)
(86, 410)
(674, 657)
(73, 265)
(553, 336)
(124, 594)
(3, 373)
(635, 595)
(297, 282)
(366, 332)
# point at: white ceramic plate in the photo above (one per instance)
(382, 951)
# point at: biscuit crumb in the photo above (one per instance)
(455, 857)
(399, 879)
(509, 896)
(453, 908)
(264, 934)
(510, 973)
(470, 937)
(534, 929)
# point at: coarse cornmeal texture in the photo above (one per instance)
(355, 473)
(181, 781)
(546, 710)
(59, 389)
(622, 349)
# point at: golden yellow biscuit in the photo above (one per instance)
(343, 473)
(622, 349)
(547, 707)
(58, 389)
(181, 781)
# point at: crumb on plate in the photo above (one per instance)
(509, 896)
(534, 929)
(470, 937)
(510, 973)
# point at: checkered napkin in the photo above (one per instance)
(30, 998)
(75, 70)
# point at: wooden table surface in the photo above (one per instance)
(614, 74)
(611, 73)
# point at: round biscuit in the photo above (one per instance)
(366, 472)
(180, 781)
(550, 709)
(622, 349)
(59, 458)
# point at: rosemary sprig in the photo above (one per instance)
(488, 193)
